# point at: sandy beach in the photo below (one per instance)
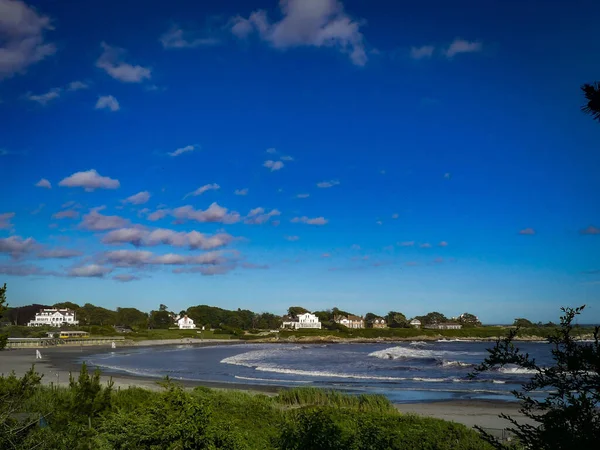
(58, 362)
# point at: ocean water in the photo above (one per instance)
(404, 372)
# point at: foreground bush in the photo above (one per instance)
(88, 414)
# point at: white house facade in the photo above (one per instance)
(350, 321)
(306, 320)
(415, 323)
(54, 317)
(185, 323)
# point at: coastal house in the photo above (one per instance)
(53, 317)
(185, 323)
(350, 321)
(306, 320)
(444, 326)
(379, 322)
(416, 323)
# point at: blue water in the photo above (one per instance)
(404, 372)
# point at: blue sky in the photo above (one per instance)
(263, 154)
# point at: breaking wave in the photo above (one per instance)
(414, 353)
(515, 370)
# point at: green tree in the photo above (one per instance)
(370, 317)
(569, 415)
(162, 307)
(3, 309)
(592, 95)
(395, 319)
(295, 311)
(131, 317)
(523, 323)
(469, 320)
(68, 305)
(160, 319)
(432, 318)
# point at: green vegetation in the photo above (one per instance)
(88, 414)
(569, 415)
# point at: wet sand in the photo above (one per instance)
(58, 362)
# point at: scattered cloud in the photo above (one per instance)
(22, 29)
(462, 46)
(43, 183)
(590, 230)
(241, 191)
(292, 238)
(379, 222)
(309, 221)
(527, 231)
(306, 24)
(95, 221)
(407, 244)
(326, 255)
(438, 260)
(395, 215)
(248, 265)
(5, 220)
(22, 270)
(44, 99)
(447, 175)
(425, 51)
(273, 165)
(16, 246)
(328, 184)
(89, 270)
(425, 245)
(412, 263)
(214, 213)
(209, 270)
(287, 158)
(89, 180)
(124, 278)
(176, 37)
(140, 237)
(138, 199)
(111, 61)
(271, 151)
(58, 253)
(201, 190)
(66, 214)
(182, 150)
(302, 195)
(108, 102)
(258, 216)
(38, 209)
(443, 244)
(77, 86)
(158, 214)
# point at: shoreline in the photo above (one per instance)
(58, 363)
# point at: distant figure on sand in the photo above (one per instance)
(113, 345)
(38, 354)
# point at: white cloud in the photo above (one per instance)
(179, 151)
(214, 213)
(425, 245)
(271, 151)
(328, 184)
(425, 51)
(326, 255)
(58, 253)
(178, 38)
(306, 23)
(111, 62)
(258, 216)
(202, 189)
(94, 221)
(302, 195)
(287, 158)
(140, 237)
(77, 86)
(67, 214)
(395, 215)
(406, 244)
(108, 102)
(21, 37)
(138, 199)
(124, 278)
(5, 220)
(291, 238)
(43, 99)
(443, 244)
(90, 270)
(309, 221)
(527, 231)
(273, 165)
(241, 191)
(90, 180)
(43, 183)
(16, 246)
(462, 46)
(158, 214)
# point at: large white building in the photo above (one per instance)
(306, 320)
(185, 323)
(350, 321)
(54, 317)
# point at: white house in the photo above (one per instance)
(444, 326)
(185, 323)
(350, 321)
(54, 317)
(415, 323)
(306, 320)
